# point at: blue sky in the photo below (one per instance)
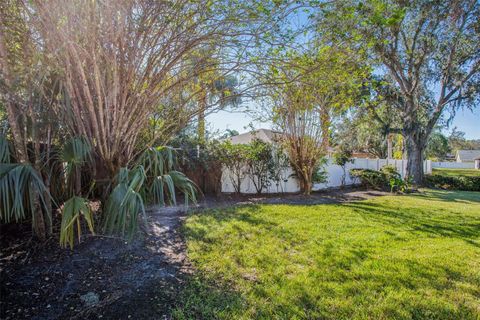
(465, 120)
(468, 122)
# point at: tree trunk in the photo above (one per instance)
(325, 124)
(47, 182)
(305, 183)
(201, 118)
(307, 187)
(389, 147)
(38, 221)
(13, 113)
(414, 147)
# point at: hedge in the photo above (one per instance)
(461, 183)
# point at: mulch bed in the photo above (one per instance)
(102, 277)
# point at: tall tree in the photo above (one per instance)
(28, 90)
(120, 59)
(309, 89)
(427, 51)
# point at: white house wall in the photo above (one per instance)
(334, 173)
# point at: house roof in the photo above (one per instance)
(264, 135)
(468, 155)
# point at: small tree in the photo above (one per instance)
(259, 164)
(234, 157)
(315, 87)
(280, 166)
(341, 158)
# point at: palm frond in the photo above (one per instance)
(76, 151)
(158, 160)
(125, 203)
(4, 150)
(19, 183)
(73, 210)
(185, 185)
(154, 178)
(163, 179)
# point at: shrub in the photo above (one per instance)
(462, 183)
(370, 178)
(386, 178)
(341, 158)
(259, 162)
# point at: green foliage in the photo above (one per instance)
(259, 163)
(386, 178)
(359, 260)
(361, 133)
(74, 210)
(320, 174)
(19, 184)
(370, 178)
(457, 141)
(456, 172)
(161, 177)
(280, 166)
(234, 159)
(153, 177)
(125, 203)
(341, 158)
(4, 150)
(437, 147)
(76, 153)
(395, 180)
(451, 182)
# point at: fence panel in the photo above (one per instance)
(453, 165)
(334, 176)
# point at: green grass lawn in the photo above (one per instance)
(456, 172)
(394, 257)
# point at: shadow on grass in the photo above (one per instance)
(450, 196)
(349, 296)
(200, 297)
(422, 220)
(353, 289)
(241, 214)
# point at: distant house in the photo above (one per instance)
(264, 135)
(467, 155)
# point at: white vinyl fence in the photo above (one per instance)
(453, 165)
(334, 172)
